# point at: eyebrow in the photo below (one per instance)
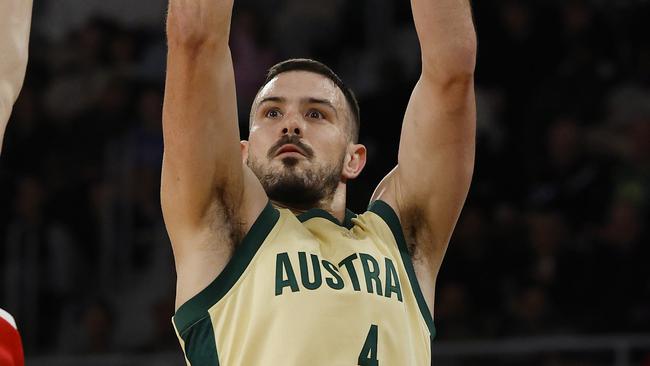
(324, 102)
(309, 100)
(273, 99)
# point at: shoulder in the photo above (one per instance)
(11, 349)
(426, 226)
(4, 315)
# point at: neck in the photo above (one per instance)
(334, 204)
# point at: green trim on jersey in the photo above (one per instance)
(319, 212)
(201, 348)
(383, 210)
(197, 307)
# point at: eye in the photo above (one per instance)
(315, 114)
(272, 113)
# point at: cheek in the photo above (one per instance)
(330, 150)
(326, 135)
(334, 139)
(259, 143)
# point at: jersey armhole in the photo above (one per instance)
(383, 210)
(197, 307)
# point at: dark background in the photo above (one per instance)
(553, 238)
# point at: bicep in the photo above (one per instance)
(202, 165)
(436, 158)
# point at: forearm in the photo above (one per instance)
(199, 22)
(14, 37)
(200, 86)
(447, 38)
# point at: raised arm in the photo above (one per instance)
(15, 22)
(436, 153)
(209, 199)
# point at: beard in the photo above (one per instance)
(298, 188)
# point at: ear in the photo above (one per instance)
(355, 161)
(243, 144)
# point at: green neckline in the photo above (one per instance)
(319, 212)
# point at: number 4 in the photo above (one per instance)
(368, 355)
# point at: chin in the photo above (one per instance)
(298, 184)
(295, 193)
(290, 162)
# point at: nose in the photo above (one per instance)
(295, 131)
(292, 127)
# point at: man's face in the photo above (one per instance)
(299, 138)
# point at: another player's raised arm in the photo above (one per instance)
(203, 188)
(14, 36)
(436, 154)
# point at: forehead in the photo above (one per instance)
(295, 85)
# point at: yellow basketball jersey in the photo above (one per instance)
(306, 290)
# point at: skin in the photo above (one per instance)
(14, 37)
(211, 196)
(311, 108)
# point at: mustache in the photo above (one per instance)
(293, 140)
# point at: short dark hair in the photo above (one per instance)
(305, 64)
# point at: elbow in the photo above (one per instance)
(189, 36)
(454, 65)
(193, 42)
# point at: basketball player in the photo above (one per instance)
(14, 35)
(272, 269)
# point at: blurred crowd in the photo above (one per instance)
(553, 238)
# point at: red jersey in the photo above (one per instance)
(11, 348)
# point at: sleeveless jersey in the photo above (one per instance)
(306, 290)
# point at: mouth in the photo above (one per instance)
(290, 149)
